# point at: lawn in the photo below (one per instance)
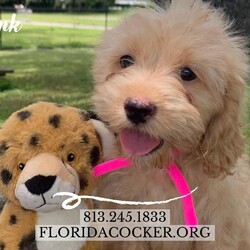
(52, 64)
(31, 36)
(58, 75)
(50, 37)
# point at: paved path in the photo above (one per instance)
(65, 25)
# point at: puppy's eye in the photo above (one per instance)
(187, 74)
(126, 61)
(21, 166)
(71, 157)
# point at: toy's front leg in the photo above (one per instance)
(17, 228)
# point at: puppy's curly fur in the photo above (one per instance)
(201, 118)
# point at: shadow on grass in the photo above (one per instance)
(5, 84)
(12, 47)
(66, 46)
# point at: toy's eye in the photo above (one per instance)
(21, 166)
(71, 157)
(187, 74)
(126, 61)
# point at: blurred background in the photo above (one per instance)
(50, 57)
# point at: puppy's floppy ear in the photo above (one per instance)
(223, 142)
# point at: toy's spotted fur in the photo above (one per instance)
(23, 115)
(53, 132)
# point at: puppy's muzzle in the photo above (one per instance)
(139, 110)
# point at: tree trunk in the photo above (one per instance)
(56, 4)
(27, 2)
(79, 4)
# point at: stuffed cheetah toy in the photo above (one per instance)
(47, 148)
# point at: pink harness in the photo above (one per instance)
(176, 176)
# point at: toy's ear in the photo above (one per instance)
(107, 140)
(92, 115)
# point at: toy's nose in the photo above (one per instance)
(40, 184)
(138, 111)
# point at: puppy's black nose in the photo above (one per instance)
(40, 184)
(138, 111)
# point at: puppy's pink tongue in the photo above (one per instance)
(136, 143)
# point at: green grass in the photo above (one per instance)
(51, 64)
(49, 37)
(53, 37)
(59, 75)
